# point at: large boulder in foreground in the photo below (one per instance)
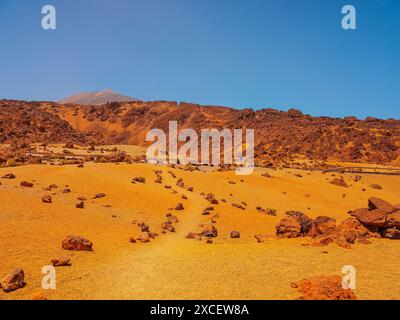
(76, 243)
(13, 281)
(324, 288)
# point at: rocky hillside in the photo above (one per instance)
(23, 123)
(278, 135)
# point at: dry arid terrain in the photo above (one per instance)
(195, 232)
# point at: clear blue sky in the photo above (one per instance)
(239, 53)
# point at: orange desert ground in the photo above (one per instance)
(171, 266)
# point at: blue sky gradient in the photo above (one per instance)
(255, 53)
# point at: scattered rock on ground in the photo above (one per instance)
(76, 243)
(26, 184)
(13, 281)
(61, 262)
(235, 234)
(209, 231)
(46, 199)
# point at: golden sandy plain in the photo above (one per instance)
(171, 266)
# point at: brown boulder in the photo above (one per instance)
(46, 199)
(168, 226)
(61, 262)
(324, 224)
(76, 243)
(26, 184)
(80, 205)
(260, 238)
(393, 220)
(357, 212)
(392, 233)
(339, 182)
(9, 176)
(351, 230)
(139, 179)
(235, 234)
(13, 281)
(179, 207)
(332, 236)
(307, 225)
(209, 231)
(193, 235)
(288, 228)
(376, 203)
(324, 288)
(172, 218)
(144, 237)
(374, 218)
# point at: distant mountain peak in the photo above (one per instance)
(96, 98)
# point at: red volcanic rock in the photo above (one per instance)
(76, 243)
(376, 203)
(307, 225)
(374, 218)
(168, 226)
(324, 224)
(209, 231)
(144, 237)
(351, 230)
(339, 182)
(172, 218)
(61, 262)
(193, 235)
(46, 199)
(26, 184)
(359, 211)
(288, 228)
(324, 288)
(324, 239)
(260, 238)
(235, 234)
(9, 176)
(80, 205)
(393, 220)
(392, 233)
(13, 281)
(139, 179)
